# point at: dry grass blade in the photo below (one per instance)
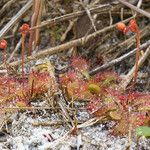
(89, 14)
(34, 21)
(14, 19)
(14, 51)
(88, 123)
(37, 38)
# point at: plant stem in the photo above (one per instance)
(23, 37)
(5, 57)
(137, 56)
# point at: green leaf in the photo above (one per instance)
(93, 88)
(143, 131)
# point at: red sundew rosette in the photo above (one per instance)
(94, 106)
(138, 119)
(68, 77)
(79, 64)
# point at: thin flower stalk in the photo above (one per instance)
(133, 27)
(24, 29)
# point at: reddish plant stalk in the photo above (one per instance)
(137, 56)
(23, 37)
(5, 56)
(133, 27)
(3, 45)
(24, 29)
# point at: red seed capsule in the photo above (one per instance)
(133, 25)
(25, 28)
(121, 26)
(3, 44)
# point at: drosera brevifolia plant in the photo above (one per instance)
(104, 99)
(24, 30)
(3, 45)
(133, 27)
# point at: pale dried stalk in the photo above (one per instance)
(135, 8)
(54, 123)
(88, 14)
(88, 123)
(71, 24)
(36, 8)
(14, 51)
(29, 108)
(3, 120)
(37, 32)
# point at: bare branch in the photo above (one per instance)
(144, 13)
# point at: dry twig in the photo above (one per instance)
(144, 13)
(14, 51)
(88, 13)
